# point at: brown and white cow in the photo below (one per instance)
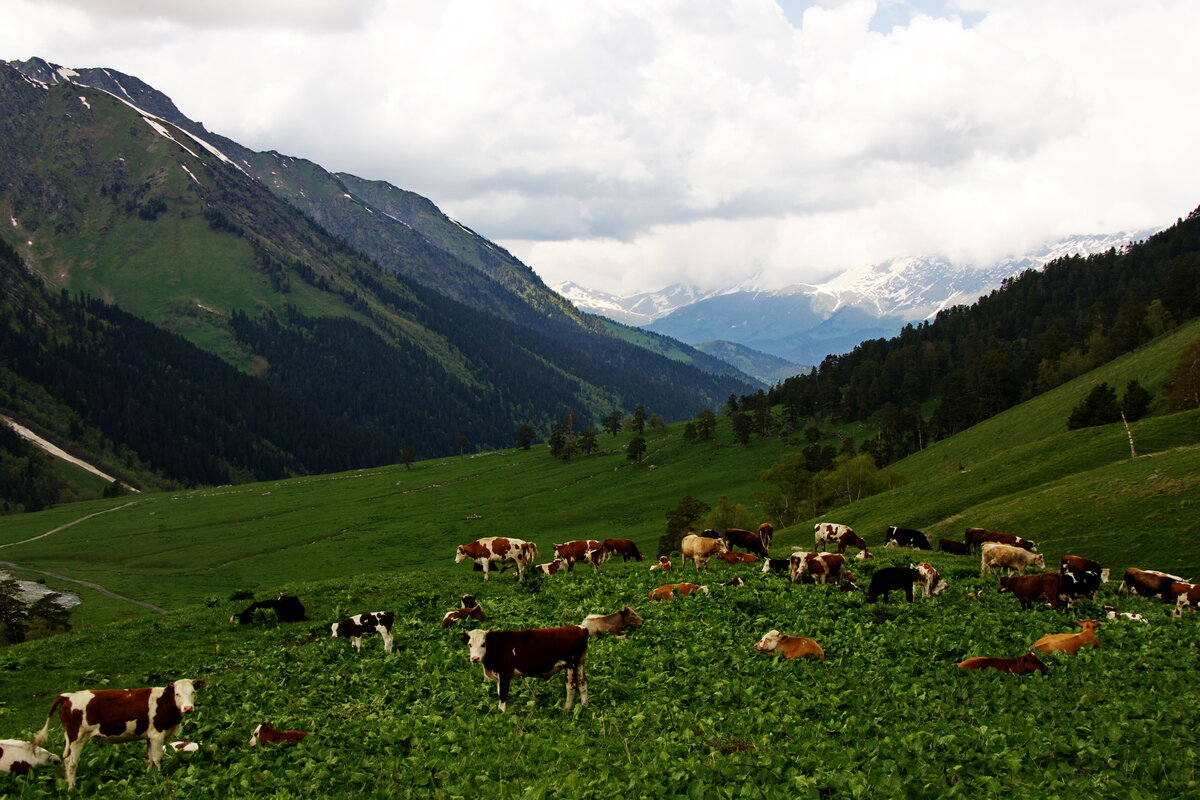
(120, 715)
(535, 653)
(739, 558)
(821, 567)
(265, 734)
(1030, 588)
(749, 541)
(669, 590)
(1069, 642)
(1112, 613)
(552, 567)
(468, 608)
(1021, 665)
(1187, 595)
(1008, 557)
(930, 582)
(766, 533)
(825, 532)
(852, 539)
(974, 537)
(1149, 583)
(360, 625)
(614, 623)
(789, 646)
(664, 564)
(589, 551)
(625, 548)
(19, 756)
(500, 550)
(701, 549)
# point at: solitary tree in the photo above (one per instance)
(1098, 408)
(463, 443)
(636, 449)
(587, 440)
(706, 423)
(639, 420)
(612, 423)
(680, 520)
(525, 435)
(407, 456)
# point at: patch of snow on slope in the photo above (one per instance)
(86, 104)
(166, 134)
(190, 175)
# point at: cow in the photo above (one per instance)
(709, 533)
(1069, 642)
(701, 549)
(669, 590)
(1148, 583)
(930, 582)
(1081, 576)
(589, 551)
(552, 567)
(468, 608)
(498, 549)
(664, 564)
(789, 646)
(1029, 588)
(851, 539)
(747, 540)
(360, 625)
(739, 558)
(19, 756)
(286, 607)
(953, 547)
(625, 548)
(1187, 595)
(265, 734)
(766, 532)
(825, 532)
(614, 623)
(1009, 557)
(738, 581)
(974, 537)
(536, 652)
(1022, 665)
(184, 747)
(1112, 613)
(776, 565)
(889, 579)
(120, 715)
(821, 567)
(906, 537)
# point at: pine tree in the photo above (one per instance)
(1098, 408)
(1136, 401)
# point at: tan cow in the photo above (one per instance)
(1069, 642)
(614, 623)
(671, 589)
(789, 646)
(1008, 557)
(701, 549)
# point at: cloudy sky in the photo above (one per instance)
(630, 144)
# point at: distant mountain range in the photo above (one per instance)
(804, 323)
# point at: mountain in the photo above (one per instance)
(765, 367)
(636, 309)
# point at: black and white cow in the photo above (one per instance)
(906, 537)
(360, 625)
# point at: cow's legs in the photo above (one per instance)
(70, 759)
(387, 640)
(570, 673)
(154, 752)
(504, 679)
(485, 569)
(357, 642)
(581, 680)
(520, 570)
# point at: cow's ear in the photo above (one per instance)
(464, 636)
(198, 684)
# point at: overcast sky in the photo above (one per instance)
(630, 144)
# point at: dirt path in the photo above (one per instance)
(56, 451)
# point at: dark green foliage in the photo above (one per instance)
(587, 441)
(14, 614)
(681, 520)
(1100, 407)
(525, 436)
(636, 449)
(1183, 387)
(1136, 401)
(743, 426)
(612, 423)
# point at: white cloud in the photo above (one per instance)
(630, 144)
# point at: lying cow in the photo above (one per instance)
(890, 579)
(664, 564)
(905, 537)
(671, 589)
(614, 623)
(287, 608)
(498, 550)
(930, 583)
(1007, 557)
(360, 625)
(747, 540)
(1187, 595)
(625, 548)
(265, 734)
(1112, 613)
(1069, 642)
(184, 747)
(120, 715)
(1031, 588)
(1022, 665)
(552, 567)
(1149, 583)
(19, 756)
(537, 652)
(738, 581)
(739, 558)
(976, 537)
(826, 532)
(468, 608)
(589, 551)
(820, 567)
(701, 549)
(953, 547)
(789, 646)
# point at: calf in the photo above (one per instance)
(120, 715)
(19, 756)
(930, 582)
(614, 623)
(738, 581)
(953, 547)
(766, 532)
(551, 567)
(360, 625)
(975, 537)
(1029, 588)
(671, 589)
(286, 607)
(589, 551)
(664, 564)
(789, 646)
(1022, 665)
(821, 567)
(1069, 642)
(1007, 557)
(747, 540)
(184, 747)
(625, 548)
(905, 537)
(739, 558)
(888, 579)
(468, 608)
(1148, 583)
(265, 734)
(1112, 613)
(537, 652)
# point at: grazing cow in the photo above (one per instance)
(19, 756)
(735, 582)
(1069, 642)
(975, 537)
(1022, 665)
(120, 715)
(286, 607)
(534, 653)
(766, 532)
(821, 567)
(664, 564)
(551, 567)
(739, 558)
(776, 565)
(1008, 557)
(789, 646)
(953, 547)
(930, 583)
(1082, 576)
(889, 579)
(265, 734)
(747, 540)
(1187, 595)
(701, 549)
(851, 539)
(625, 548)
(1148, 583)
(500, 550)
(1112, 613)
(709, 533)
(589, 551)
(468, 608)
(1029, 588)
(825, 532)
(671, 589)
(360, 625)
(906, 537)
(614, 623)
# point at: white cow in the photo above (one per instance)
(19, 756)
(1008, 557)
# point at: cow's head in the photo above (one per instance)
(333, 629)
(1006, 584)
(1088, 625)
(1039, 561)
(631, 618)
(769, 642)
(1029, 662)
(477, 642)
(468, 601)
(460, 555)
(185, 694)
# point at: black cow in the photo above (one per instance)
(951, 546)
(890, 578)
(776, 564)
(750, 541)
(906, 537)
(286, 607)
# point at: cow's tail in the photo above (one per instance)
(40, 739)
